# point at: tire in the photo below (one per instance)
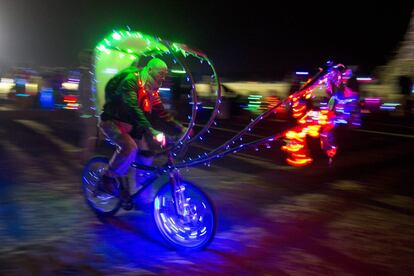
(192, 235)
(104, 205)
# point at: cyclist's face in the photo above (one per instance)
(155, 78)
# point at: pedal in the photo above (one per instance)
(127, 203)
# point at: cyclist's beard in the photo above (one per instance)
(151, 85)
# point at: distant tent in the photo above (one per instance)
(403, 62)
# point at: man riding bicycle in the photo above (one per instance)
(130, 96)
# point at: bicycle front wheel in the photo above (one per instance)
(193, 230)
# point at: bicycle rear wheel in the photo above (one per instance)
(196, 228)
(101, 203)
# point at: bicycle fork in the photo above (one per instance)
(178, 194)
(181, 205)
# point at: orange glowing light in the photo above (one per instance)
(300, 109)
(147, 107)
(292, 135)
(311, 123)
(299, 162)
(313, 130)
(293, 147)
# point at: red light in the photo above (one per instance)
(70, 99)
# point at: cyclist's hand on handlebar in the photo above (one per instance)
(158, 137)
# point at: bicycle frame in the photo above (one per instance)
(175, 181)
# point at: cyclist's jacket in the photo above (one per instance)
(127, 101)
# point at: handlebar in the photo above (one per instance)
(170, 141)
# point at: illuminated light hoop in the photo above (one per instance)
(216, 107)
(110, 43)
(207, 126)
(191, 124)
(183, 140)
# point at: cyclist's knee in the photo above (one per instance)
(130, 150)
(132, 147)
(127, 148)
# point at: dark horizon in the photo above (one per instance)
(245, 41)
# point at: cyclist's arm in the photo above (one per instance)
(164, 115)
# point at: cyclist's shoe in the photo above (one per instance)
(126, 200)
(108, 185)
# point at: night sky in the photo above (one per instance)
(254, 40)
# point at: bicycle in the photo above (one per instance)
(183, 213)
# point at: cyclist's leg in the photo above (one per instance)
(122, 158)
(144, 157)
